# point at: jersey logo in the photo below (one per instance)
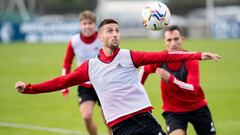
(119, 65)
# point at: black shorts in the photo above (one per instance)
(87, 94)
(201, 120)
(140, 124)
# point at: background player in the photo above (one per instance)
(84, 45)
(182, 96)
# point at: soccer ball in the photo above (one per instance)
(155, 15)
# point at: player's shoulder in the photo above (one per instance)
(75, 37)
(85, 63)
(124, 50)
(124, 53)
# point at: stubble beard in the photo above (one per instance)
(114, 46)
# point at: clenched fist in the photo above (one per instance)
(20, 86)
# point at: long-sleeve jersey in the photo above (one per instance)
(81, 74)
(182, 93)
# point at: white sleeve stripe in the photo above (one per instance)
(181, 52)
(88, 82)
(141, 71)
(63, 71)
(183, 85)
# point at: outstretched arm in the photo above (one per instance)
(146, 58)
(80, 75)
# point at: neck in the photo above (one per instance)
(89, 39)
(108, 51)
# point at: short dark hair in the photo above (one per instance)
(172, 28)
(105, 22)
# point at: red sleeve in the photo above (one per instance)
(146, 58)
(80, 75)
(68, 59)
(146, 70)
(192, 82)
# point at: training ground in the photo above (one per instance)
(51, 114)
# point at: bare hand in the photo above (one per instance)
(210, 56)
(20, 86)
(65, 93)
(165, 75)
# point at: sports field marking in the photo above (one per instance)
(41, 128)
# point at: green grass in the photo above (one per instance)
(38, 62)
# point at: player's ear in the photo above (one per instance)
(100, 34)
(182, 37)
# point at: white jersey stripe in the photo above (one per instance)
(181, 52)
(141, 71)
(183, 85)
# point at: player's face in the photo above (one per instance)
(87, 27)
(110, 35)
(173, 40)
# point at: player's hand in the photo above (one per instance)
(210, 56)
(165, 75)
(65, 92)
(20, 86)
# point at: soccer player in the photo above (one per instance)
(113, 73)
(84, 45)
(182, 96)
